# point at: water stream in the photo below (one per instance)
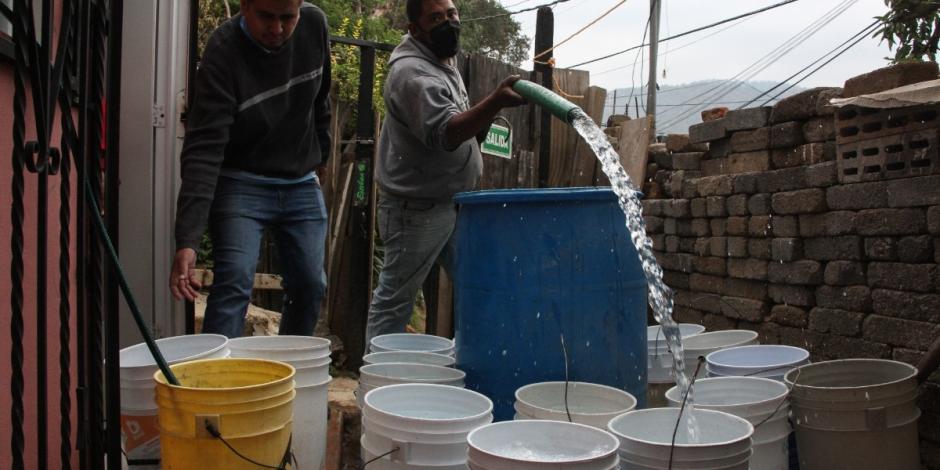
(660, 295)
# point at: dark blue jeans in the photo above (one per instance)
(296, 216)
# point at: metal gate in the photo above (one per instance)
(66, 80)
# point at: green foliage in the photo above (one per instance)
(913, 27)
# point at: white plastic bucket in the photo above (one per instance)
(280, 348)
(427, 424)
(703, 344)
(537, 444)
(590, 404)
(724, 440)
(763, 402)
(410, 357)
(379, 375)
(659, 365)
(138, 405)
(413, 342)
(310, 358)
(856, 413)
(767, 361)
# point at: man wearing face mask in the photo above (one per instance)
(427, 153)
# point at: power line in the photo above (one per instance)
(724, 88)
(863, 34)
(702, 28)
(592, 23)
(864, 31)
(511, 13)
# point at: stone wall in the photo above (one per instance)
(754, 230)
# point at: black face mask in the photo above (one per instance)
(445, 39)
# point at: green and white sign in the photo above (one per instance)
(498, 142)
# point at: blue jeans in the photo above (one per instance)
(415, 234)
(296, 216)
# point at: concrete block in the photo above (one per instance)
(800, 296)
(719, 148)
(672, 243)
(787, 179)
(804, 272)
(760, 226)
(916, 249)
(677, 209)
(654, 224)
(891, 222)
(759, 204)
(819, 129)
(845, 273)
(833, 248)
(759, 248)
(753, 269)
(890, 77)
(706, 283)
(746, 183)
(653, 207)
(858, 196)
(719, 227)
(829, 223)
(748, 118)
(710, 265)
(786, 249)
(748, 162)
(786, 134)
(902, 276)
(737, 204)
(835, 321)
(823, 107)
(803, 201)
(899, 332)
(746, 288)
(786, 226)
(798, 107)
(698, 207)
(853, 298)
(822, 175)
(908, 305)
(715, 185)
(881, 249)
(716, 206)
(718, 246)
(789, 315)
(687, 161)
(912, 192)
(737, 226)
(700, 228)
(737, 247)
(933, 220)
(707, 131)
(749, 141)
(803, 155)
(744, 309)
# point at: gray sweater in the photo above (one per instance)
(415, 160)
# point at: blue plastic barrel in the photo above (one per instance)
(533, 265)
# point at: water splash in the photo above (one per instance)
(660, 295)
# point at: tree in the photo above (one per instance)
(913, 26)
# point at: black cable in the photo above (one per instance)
(361, 467)
(791, 77)
(216, 434)
(723, 89)
(511, 13)
(863, 34)
(564, 351)
(691, 31)
(685, 399)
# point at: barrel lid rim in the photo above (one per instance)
(492, 196)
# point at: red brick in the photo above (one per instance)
(890, 77)
(854, 298)
(713, 114)
(898, 332)
(891, 222)
(899, 276)
(834, 321)
(799, 202)
(799, 272)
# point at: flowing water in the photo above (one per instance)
(660, 295)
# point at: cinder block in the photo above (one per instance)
(891, 221)
(799, 202)
(833, 248)
(804, 272)
(707, 131)
(748, 118)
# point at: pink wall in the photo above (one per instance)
(29, 293)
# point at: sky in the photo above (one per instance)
(711, 54)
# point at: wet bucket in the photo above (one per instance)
(408, 357)
(537, 445)
(426, 425)
(856, 413)
(249, 402)
(413, 342)
(139, 429)
(702, 345)
(646, 440)
(767, 361)
(310, 357)
(763, 402)
(374, 376)
(659, 365)
(590, 404)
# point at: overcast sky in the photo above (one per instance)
(722, 55)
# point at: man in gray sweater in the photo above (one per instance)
(427, 153)
(257, 132)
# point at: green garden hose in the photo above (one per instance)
(546, 98)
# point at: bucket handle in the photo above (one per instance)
(210, 423)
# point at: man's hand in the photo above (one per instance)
(505, 96)
(183, 282)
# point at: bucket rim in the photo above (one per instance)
(170, 339)
(161, 380)
(794, 383)
(709, 334)
(457, 373)
(580, 384)
(379, 354)
(449, 346)
(235, 343)
(732, 378)
(542, 195)
(392, 388)
(600, 432)
(619, 435)
(803, 353)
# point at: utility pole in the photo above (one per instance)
(544, 40)
(654, 66)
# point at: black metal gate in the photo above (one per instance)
(66, 75)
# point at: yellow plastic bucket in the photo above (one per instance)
(248, 401)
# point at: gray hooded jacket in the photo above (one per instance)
(421, 96)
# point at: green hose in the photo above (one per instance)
(547, 99)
